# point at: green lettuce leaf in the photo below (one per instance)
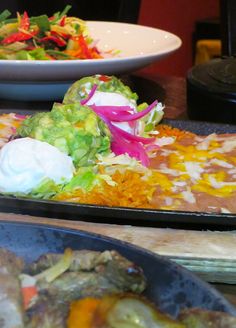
(150, 120)
(84, 179)
(42, 22)
(4, 15)
(35, 54)
(46, 190)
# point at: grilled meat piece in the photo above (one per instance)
(11, 307)
(46, 313)
(114, 267)
(83, 260)
(124, 274)
(95, 275)
(90, 274)
(199, 318)
(75, 285)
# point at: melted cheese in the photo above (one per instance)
(8, 125)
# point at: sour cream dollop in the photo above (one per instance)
(26, 162)
(101, 98)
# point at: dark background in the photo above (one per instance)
(107, 10)
(178, 16)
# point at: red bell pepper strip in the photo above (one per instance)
(25, 22)
(63, 21)
(95, 50)
(21, 35)
(28, 294)
(84, 47)
(104, 78)
(60, 34)
(59, 41)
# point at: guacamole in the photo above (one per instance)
(81, 88)
(74, 129)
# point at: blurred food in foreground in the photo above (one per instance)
(86, 289)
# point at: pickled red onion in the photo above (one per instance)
(123, 141)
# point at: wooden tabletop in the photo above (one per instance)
(210, 254)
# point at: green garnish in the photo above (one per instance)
(42, 22)
(4, 15)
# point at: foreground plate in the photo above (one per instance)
(139, 46)
(124, 215)
(170, 286)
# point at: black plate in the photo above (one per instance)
(170, 286)
(124, 215)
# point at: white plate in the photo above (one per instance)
(139, 46)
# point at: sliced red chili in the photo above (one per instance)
(25, 22)
(84, 47)
(21, 36)
(63, 21)
(104, 78)
(60, 34)
(59, 41)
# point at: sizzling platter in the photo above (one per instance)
(183, 173)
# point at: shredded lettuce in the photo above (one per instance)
(84, 179)
(35, 54)
(47, 189)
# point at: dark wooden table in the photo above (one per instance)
(175, 94)
(170, 90)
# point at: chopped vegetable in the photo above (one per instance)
(122, 141)
(56, 270)
(72, 128)
(59, 37)
(4, 14)
(23, 34)
(28, 294)
(82, 312)
(118, 311)
(28, 289)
